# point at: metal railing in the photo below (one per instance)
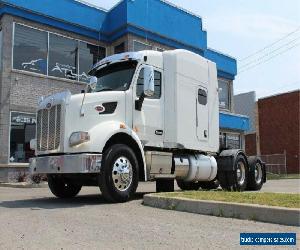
(275, 163)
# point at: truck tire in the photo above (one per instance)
(188, 185)
(235, 180)
(118, 179)
(62, 189)
(256, 176)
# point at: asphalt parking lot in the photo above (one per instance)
(34, 219)
(282, 186)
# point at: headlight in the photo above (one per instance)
(79, 137)
(33, 144)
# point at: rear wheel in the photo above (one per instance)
(118, 179)
(188, 185)
(235, 180)
(62, 189)
(256, 176)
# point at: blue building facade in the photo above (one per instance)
(44, 27)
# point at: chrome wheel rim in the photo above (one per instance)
(258, 173)
(241, 173)
(122, 174)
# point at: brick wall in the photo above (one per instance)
(250, 144)
(279, 127)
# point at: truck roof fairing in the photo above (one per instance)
(135, 56)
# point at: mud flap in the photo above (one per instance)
(226, 168)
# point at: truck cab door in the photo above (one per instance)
(149, 123)
(202, 114)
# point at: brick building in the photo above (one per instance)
(276, 131)
(48, 46)
(279, 127)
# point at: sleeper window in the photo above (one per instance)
(157, 84)
(202, 97)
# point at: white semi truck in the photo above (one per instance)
(145, 116)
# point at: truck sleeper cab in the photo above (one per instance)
(146, 116)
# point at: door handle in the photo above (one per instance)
(159, 132)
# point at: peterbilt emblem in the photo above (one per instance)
(100, 108)
(49, 105)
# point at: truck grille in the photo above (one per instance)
(48, 128)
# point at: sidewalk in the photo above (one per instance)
(271, 214)
(24, 185)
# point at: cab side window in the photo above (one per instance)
(157, 84)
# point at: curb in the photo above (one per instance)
(24, 185)
(270, 214)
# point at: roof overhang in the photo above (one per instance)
(234, 122)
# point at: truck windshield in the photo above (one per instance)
(115, 77)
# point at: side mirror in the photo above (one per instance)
(148, 80)
(93, 82)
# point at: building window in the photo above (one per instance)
(119, 48)
(157, 84)
(88, 55)
(233, 141)
(230, 140)
(224, 94)
(138, 46)
(63, 54)
(1, 44)
(65, 58)
(30, 49)
(222, 140)
(22, 130)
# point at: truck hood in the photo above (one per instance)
(62, 114)
(83, 113)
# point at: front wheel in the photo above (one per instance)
(62, 189)
(118, 179)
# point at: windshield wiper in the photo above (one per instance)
(104, 89)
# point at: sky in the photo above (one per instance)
(241, 28)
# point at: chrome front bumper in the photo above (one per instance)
(66, 164)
